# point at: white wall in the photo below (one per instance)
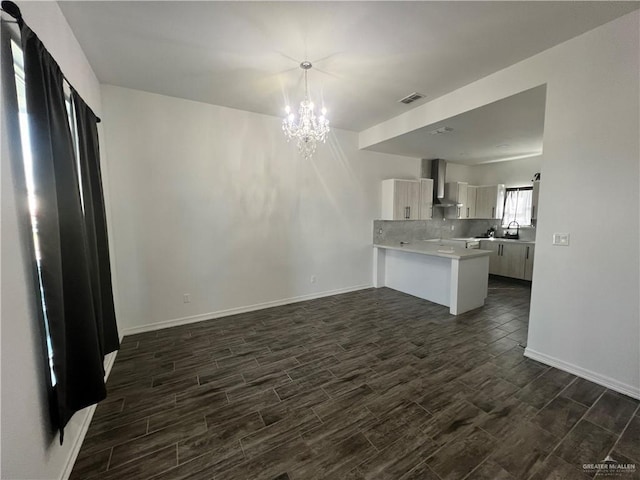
(458, 173)
(584, 309)
(513, 173)
(29, 450)
(214, 202)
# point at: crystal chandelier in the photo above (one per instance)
(307, 129)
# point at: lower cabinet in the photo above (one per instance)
(510, 259)
(494, 259)
(528, 262)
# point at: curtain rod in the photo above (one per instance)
(13, 10)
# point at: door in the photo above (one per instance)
(483, 202)
(534, 200)
(406, 200)
(462, 198)
(471, 201)
(489, 200)
(528, 262)
(512, 260)
(413, 200)
(400, 199)
(426, 198)
(495, 261)
(457, 193)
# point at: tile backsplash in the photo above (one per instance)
(413, 230)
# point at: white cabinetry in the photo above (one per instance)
(426, 198)
(494, 259)
(509, 259)
(512, 259)
(489, 201)
(534, 200)
(472, 193)
(528, 262)
(400, 199)
(457, 193)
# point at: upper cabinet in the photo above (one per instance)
(426, 198)
(534, 200)
(413, 200)
(472, 193)
(490, 201)
(400, 199)
(457, 193)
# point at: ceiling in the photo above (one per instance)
(366, 55)
(508, 129)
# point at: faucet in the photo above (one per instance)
(517, 235)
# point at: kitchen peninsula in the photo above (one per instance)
(447, 275)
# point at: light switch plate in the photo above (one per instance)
(561, 239)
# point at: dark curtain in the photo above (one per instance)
(66, 264)
(96, 224)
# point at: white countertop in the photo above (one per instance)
(509, 240)
(436, 250)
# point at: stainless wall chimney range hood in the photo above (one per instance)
(437, 169)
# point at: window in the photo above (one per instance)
(517, 206)
(18, 65)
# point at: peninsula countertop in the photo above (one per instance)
(434, 249)
(497, 240)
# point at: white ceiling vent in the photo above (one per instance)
(412, 97)
(441, 131)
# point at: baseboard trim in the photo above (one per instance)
(77, 444)
(236, 310)
(594, 377)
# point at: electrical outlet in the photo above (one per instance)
(313, 279)
(453, 227)
(380, 232)
(561, 239)
(186, 298)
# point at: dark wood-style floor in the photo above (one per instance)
(370, 384)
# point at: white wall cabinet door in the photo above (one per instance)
(534, 200)
(483, 202)
(400, 199)
(426, 198)
(457, 192)
(490, 201)
(472, 192)
(413, 200)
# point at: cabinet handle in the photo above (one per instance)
(527, 253)
(493, 212)
(467, 212)
(533, 211)
(458, 212)
(501, 250)
(407, 213)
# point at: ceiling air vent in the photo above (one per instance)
(412, 97)
(441, 131)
